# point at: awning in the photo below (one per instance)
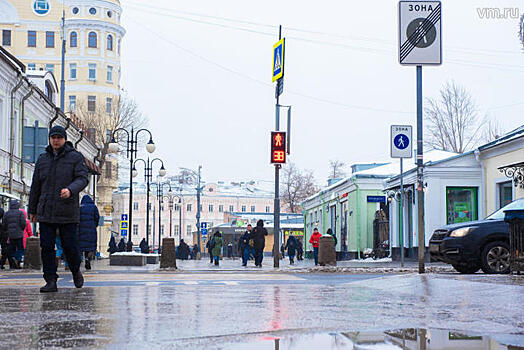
(514, 172)
(92, 167)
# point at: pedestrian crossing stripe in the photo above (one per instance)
(278, 60)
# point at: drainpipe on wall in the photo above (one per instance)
(22, 118)
(12, 133)
(52, 121)
(358, 217)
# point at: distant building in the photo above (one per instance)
(218, 200)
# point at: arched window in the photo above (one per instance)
(49, 90)
(92, 40)
(110, 42)
(73, 39)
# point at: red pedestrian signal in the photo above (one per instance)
(278, 147)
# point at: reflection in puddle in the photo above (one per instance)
(403, 339)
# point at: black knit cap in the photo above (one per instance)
(58, 130)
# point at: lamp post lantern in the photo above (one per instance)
(131, 151)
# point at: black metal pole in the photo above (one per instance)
(160, 194)
(180, 221)
(276, 205)
(420, 178)
(130, 151)
(198, 209)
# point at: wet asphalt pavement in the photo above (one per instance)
(214, 309)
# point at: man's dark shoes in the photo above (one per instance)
(49, 287)
(78, 279)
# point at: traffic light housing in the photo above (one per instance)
(278, 147)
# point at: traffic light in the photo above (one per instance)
(278, 147)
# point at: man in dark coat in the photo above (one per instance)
(122, 245)
(3, 242)
(243, 244)
(59, 177)
(291, 246)
(14, 225)
(183, 250)
(87, 235)
(112, 245)
(259, 236)
(144, 247)
(129, 246)
(300, 250)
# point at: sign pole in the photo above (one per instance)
(401, 203)
(276, 205)
(420, 179)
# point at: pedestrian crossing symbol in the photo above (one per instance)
(278, 60)
(401, 145)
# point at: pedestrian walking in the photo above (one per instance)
(28, 231)
(315, 240)
(194, 252)
(300, 250)
(129, 246)
(144, 247)
(209, 250)
(59, 176)
(183, 250)
(291, 246)
(14, 223)
(282, 251)
(121, 245)
(259, 237)
(330, 233)
(87, 235)
(112, 245)
(3, 243)
(216, 249)
(244, 245)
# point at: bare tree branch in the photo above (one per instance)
(452, 121)
(297, 185)
(337, 169)
(492, 131)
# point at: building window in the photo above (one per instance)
(505, 190)
(110, 42)
(109, 14)
(149, 229)
(50, 67)
(73, 39)
(91, 103)
(210, 208)
(75, 10)
(109, 74)
(188, 207)
(231, 208)
(72, 70)
(461, 204)
(109, 105)
(31, 66)
(6, 37)
(149, 205)
(135, 205)
(177, 230)
(49, 39)
(243, 209)
(200, 208)
(92, 40)
(92, 71)
(72, 103)
(92, 11)
(177, 207)
(135, 230)
(252, 208)
(268, 209)
(188, 230)
(31, 38)
(221, 208)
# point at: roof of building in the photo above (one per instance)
(511, 135)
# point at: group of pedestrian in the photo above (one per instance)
(253, 240)
(15, 228)
(294, 248)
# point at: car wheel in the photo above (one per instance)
(467, 268)
(495, 258)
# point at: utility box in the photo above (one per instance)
(326, 251)
(515, 219)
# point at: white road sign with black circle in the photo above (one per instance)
(420, 32)
(401, 141)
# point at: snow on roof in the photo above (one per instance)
(513, 134)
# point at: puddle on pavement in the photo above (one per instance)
(403, 339)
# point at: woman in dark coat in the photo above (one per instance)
(87, 235)
(259, 238)
(291, 246)
(122, 245)
(112, 245)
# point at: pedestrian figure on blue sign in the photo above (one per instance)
(401, 142)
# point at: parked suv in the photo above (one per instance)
(474, 245)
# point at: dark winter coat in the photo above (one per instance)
(217, 243)
(52, 174)
(291, 245)
(259, 235)
(89, 216)
(14, 221)
(112, 246)
(183, 250)
(144, 247)
(122, 245)
(243, 241)
(3, 233)
(300, 247)
(129, 246)
(330, 232)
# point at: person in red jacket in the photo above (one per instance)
(314, 240)
(28, 231)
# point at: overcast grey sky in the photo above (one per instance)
(205, 82)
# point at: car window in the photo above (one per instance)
(499, 214)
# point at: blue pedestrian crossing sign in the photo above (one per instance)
(278, 60)
(124, 225)
(401, 141)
